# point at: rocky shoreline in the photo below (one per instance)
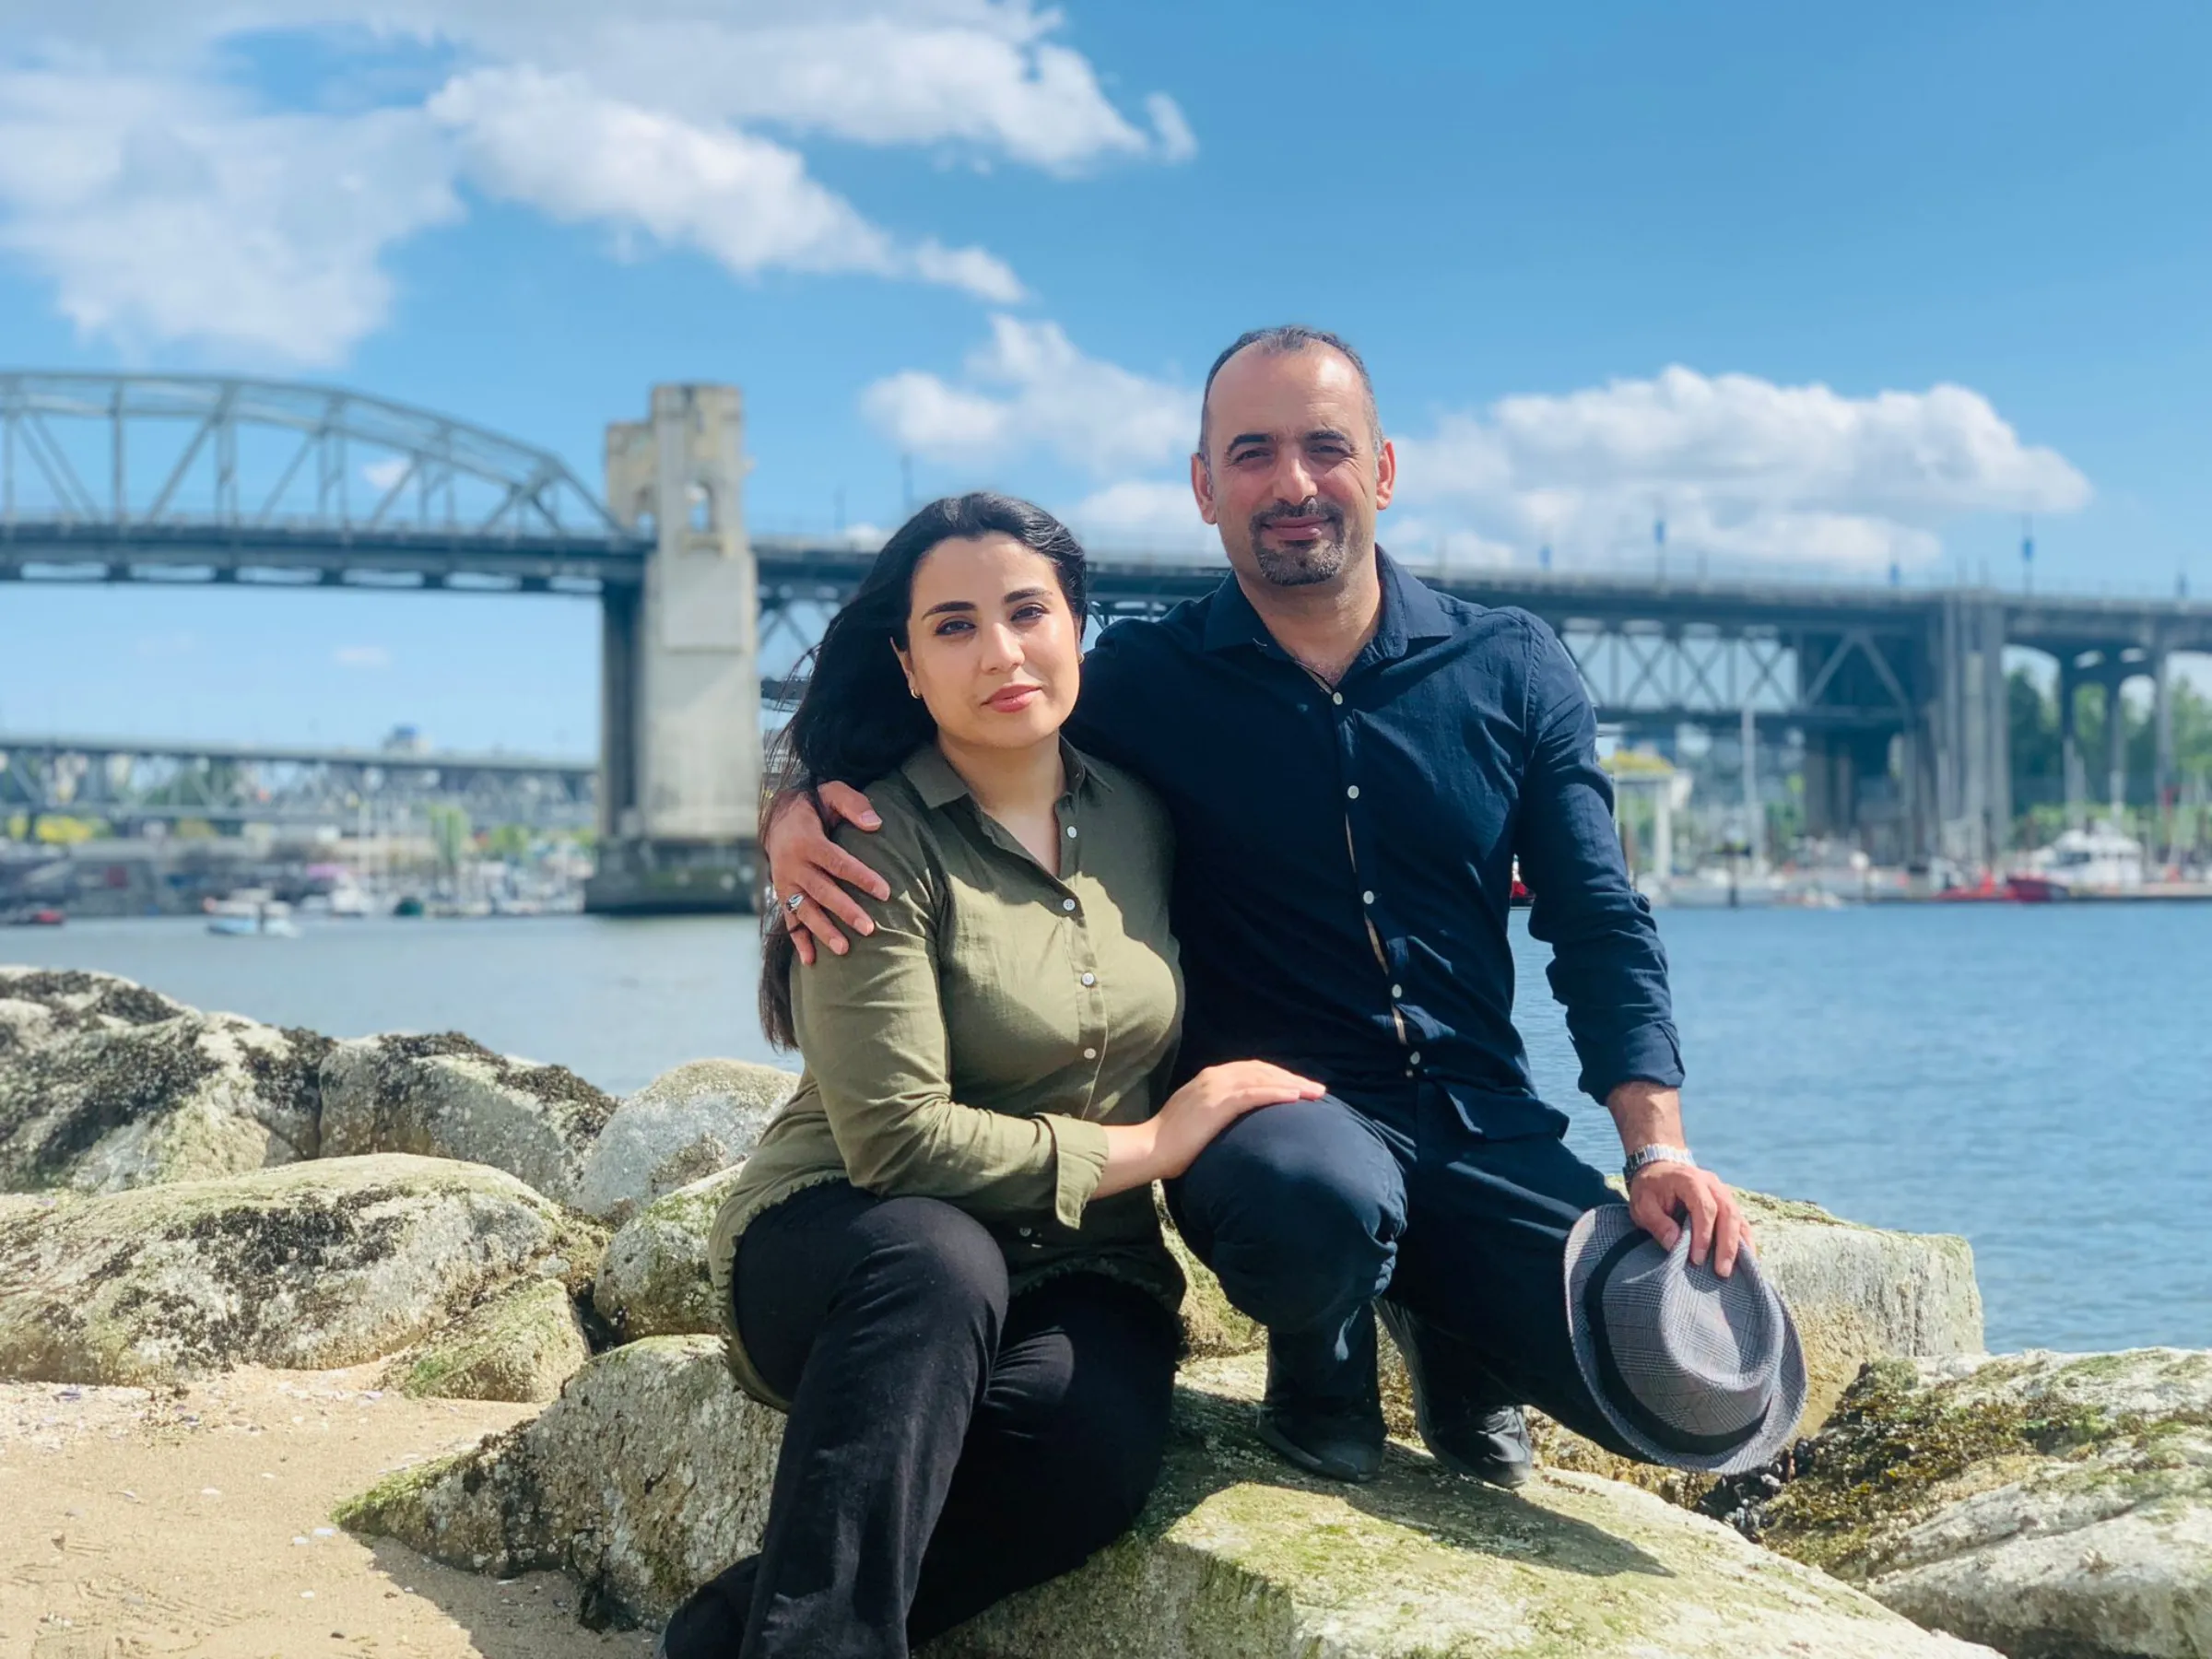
(186, 1195)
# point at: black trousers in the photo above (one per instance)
(946, 1446)
(1309, 1210)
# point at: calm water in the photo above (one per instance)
(2036, 1078)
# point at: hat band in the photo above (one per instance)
(1641, 1417)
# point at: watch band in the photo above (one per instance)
(1644, 1158)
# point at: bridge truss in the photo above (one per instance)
(172, 477)
(127, 782)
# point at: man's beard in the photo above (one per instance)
(1321, 560)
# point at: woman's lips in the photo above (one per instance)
(1012, 698)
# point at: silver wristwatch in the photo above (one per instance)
(1644, 1158)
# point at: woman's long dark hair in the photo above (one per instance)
(856, 720)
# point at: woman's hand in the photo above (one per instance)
(1139, 1154)
(1216, 1098)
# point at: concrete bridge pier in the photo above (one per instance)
(1969, 741)
(680, 727)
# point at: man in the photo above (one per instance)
(1353, 763)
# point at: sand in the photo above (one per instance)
(198, 1522)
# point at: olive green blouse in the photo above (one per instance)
(972, 1047)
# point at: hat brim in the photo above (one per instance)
(1596, 1232)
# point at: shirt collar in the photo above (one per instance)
(936, 781)
(1410, 611)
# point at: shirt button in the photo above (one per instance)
(1396, 992)
(1367, 897)
(1415, 1058)
(1352, 794)
(1028, 1232)
(1067, 904)
(1071, 833)
(1090, 979)
(1335, 696)
(1090, 1053)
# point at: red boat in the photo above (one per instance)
(46, 915)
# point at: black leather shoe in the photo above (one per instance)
(1322, 1413)
(1464, 1425)
(711, 1623)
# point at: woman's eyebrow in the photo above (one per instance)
(951, 605)
(1021, 594)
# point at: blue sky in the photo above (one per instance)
(1828, 288)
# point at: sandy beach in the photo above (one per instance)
(198, 1522)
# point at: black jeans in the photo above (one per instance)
(1309, 1211)
(946, 1445)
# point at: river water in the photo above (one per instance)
(2038, 1079)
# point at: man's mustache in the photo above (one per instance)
(1312, 507)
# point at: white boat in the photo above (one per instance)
(2099, 859)
(252, 911)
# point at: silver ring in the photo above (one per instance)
(791, 905)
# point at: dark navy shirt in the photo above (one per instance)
(1345, 857)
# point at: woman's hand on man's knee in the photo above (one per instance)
(1165, 1146)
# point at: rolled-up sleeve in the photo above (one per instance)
(1607, 968)
(871, 1025)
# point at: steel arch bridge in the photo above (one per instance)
(153, 477)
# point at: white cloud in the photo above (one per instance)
(362, 656)
(554, 144)
(1148, 512)
(383, 475)
(160, 209)
(1029, 389)
(1740, 468)
(164, 201)
(1737, 467)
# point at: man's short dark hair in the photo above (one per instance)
(1286, 337)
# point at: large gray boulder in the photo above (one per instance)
(684, 1126)
(448, 1096)
(2048, 1504)
(652, 1282)
(308, 1267)
(106, 1086)
(651, 1472)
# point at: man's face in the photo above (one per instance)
(1291, 475)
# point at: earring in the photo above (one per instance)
(913, 693)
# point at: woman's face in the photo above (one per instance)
(991, 644)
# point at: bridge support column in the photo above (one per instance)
(1972, 736)
(680, 748)
(2070, 743)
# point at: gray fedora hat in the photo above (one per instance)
(1694, 1371)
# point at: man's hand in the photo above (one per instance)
(1662, 1191)
(1649, 1115)
(803, 858)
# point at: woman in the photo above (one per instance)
(942, 1260)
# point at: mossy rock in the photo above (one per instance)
(653, 1281)
(2048, 1504)
(448, 1096)
(522, 1344)
(308, 1267)
(652, 1473)
(687, 1125)
(106, 1086)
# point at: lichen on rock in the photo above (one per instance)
(105, 1085)
(688, 1124)
(521, 1343)
(653, 1281)
(2044, 1503)
(309, 1267)
(448, 1096)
